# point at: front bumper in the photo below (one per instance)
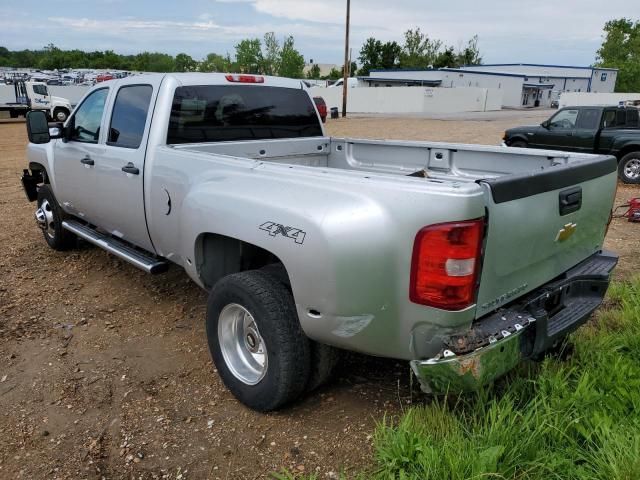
(496, 343)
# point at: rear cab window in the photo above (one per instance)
(222, 113)
(609, 119)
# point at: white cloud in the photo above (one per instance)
(500, 24)
(196, 30)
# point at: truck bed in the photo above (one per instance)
(440, 162)
(522, 192)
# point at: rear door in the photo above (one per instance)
(559, 132)
(118, 192)
(542, 224)
(587, 126)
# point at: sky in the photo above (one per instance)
(565, 32)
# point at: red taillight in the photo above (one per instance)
(244, 78)
(445, 264)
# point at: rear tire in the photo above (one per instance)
(324, 360)
(519, 144)
(629, 168)
(256, 341)
(50, 217)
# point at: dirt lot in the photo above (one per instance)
(104, 371)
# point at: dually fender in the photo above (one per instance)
(347, 253)
(337, 248)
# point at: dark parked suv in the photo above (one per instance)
(603, 130)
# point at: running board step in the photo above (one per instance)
(138, 258)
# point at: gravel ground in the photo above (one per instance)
(104, 371)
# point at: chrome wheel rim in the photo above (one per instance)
(632, 169)
(44, 217)
(242, 346)
(61, 116)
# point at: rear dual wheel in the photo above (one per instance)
(257, 344)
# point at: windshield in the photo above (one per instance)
(218, 113)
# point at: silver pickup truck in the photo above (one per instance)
(460, 259)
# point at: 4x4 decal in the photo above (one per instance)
(274, 229)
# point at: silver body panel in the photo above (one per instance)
(357, 210)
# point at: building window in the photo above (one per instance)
(603, 77)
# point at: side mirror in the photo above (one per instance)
(545, 124)
(38, 127)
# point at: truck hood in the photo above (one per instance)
(61, 101)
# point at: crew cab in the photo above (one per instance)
(603, 130)
(460, 259)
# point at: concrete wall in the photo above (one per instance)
(413, 99)
(72, 93)
(511, 87)
(572, 99)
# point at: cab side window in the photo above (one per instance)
(40, 89)
(85, 124)
(609, 119)
(588, 119)
(564, 120)
(129, 116)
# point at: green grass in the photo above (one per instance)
(577, 418)
(572, 419)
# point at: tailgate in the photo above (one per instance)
(541, 224)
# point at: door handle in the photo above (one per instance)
(87, 161)
(130, 168)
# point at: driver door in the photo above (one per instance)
(560, 131)
(74, 180)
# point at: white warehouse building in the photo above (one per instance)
(522, 85)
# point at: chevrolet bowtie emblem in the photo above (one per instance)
(566, 231)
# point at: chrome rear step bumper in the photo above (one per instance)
(527, 328)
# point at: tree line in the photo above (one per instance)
(416, 51)
(268, 56)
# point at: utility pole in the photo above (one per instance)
(347, 64)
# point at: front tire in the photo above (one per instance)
(629, 168)
(519, 144)
(256, 341)
(50, 216)
(60, 115)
